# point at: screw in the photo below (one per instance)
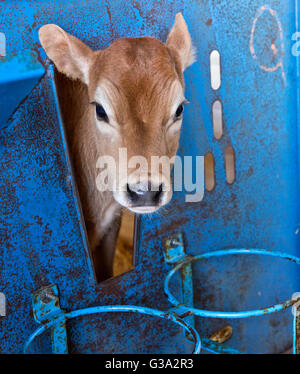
(174, 243)
(47, 295)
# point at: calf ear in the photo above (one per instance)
(69, 54)
(179, 43)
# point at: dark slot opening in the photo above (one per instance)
(124, 251)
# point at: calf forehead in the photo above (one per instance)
(139, 72)
(142, 52)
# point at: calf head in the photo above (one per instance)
(136, 95)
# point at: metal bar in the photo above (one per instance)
(214, 347)
(59, 336)
(170, 315)
(296, 328)
(174, 252)
(46, 308)
(220, 314)
(187, 290)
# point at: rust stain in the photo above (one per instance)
(222, 335)
(279, 64)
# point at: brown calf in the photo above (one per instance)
(128, 96)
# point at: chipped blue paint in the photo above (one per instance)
(46, 308)
(18, 75)
(261, 208)
(174, 249)
(218, 314)
(42, 240)
(120, 308)
(185, 306)
(174, 253)
(218, 348)
(2, 44)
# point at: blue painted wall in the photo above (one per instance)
(41, 237)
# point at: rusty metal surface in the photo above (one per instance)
(41, 240)
(218, 348)
(260, 209)
(174, 252)
(297, 351)
(56, 320)
(42, 244)
(46, 308)
(18, 75)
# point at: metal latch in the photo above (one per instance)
(46, 308)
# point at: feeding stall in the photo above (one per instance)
(230, 259)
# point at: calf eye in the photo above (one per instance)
(179, 112)
(101, 114)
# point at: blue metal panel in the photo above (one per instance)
(261, 209)
(43, 243)
(42, 240)
(18, 75)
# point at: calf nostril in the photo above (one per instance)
(132, 194)
(158, 193)
(144, 195)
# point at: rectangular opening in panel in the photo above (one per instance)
(215, 69)
(109, 230)
(123, 260)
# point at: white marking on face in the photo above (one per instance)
(177, 98)
(103, 98)
(145, 210)
(174, 127)
(84, 67)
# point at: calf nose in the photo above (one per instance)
(141, 194)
